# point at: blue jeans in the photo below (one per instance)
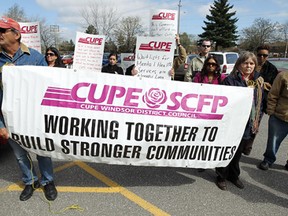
(26, 165)
(277, 131)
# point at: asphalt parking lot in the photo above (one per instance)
(100, 189)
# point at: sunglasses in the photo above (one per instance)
(3, 30)
(50, 54)
(206, 46)
(211, 64)
(262, 55)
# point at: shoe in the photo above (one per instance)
(286, 166)
(238, 183)
(247, 151)
(28, 191)
(201, 170)
(50, 191)
(221, 183)
(263, 165)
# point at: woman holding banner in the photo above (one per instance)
(53, 57)
(210, 73)
(243, 75)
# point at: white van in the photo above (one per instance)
(226, 60)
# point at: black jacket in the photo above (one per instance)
(269, 73)
(114, 69)
(235, 79)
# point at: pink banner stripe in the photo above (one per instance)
(58, 96)
(55, 103)
(51, 87)
(59, 91)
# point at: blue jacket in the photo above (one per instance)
(23, 56)
(235, 79)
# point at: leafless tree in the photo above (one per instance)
(284, 31)
(102, 15)
(126, 32)
(262, 31)
(17, 13)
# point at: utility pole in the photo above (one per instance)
(178, 23)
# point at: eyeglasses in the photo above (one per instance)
(50, 54)
(206, 46)
(211, 64)
(3, 30)
(114, 59)
(262, 55)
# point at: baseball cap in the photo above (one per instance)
(7, 23)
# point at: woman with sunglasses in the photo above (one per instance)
(53, 58)
(112, 66)
(210, 73)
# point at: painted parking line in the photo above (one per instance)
(113, 187)
(126, 193)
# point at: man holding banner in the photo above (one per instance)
(13, 52)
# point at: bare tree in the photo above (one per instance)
(17, 13)
(126, 32)
(262, 31)
(102, 15)
(284, 31)
(49, 36)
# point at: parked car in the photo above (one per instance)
(105, 59)
(67, 59)
(226, 60)
(181, 71)
(280, 63)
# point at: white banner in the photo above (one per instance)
(30, 35)
(104, 118)
(88, 52)
(163, 23)
(154, 57)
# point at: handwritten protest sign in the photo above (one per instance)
(154, 57)
(113, 119)
(88, 51)
(30, 35)
(163, 23)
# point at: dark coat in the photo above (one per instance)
(269, 73)
(235, 79)
(113, 69)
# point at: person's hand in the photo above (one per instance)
(177, 38)
(8, 64)
(267, 86)
(4, 133)
(134, 71)
(172, 72)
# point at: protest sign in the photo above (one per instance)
(112, 119)
(127, 59)
(154, 57)
(30, 35)
(163, 23)
(88, 51)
